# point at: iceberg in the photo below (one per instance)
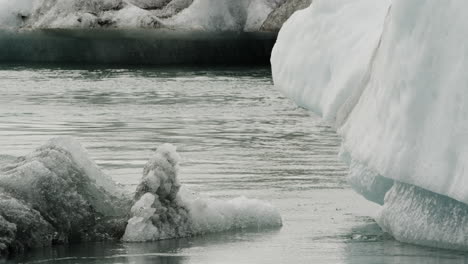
(389, 75)
(58, 195)
(163, 210)
(204, 15)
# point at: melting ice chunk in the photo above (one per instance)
(163, 210)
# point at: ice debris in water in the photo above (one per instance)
(163, 210)
(58, 195)
(391, 76)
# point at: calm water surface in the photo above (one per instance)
(237, 136)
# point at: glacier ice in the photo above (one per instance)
(164, 210)
(390, 75)
(57, 195)
(206, 15)
(278, 16)
(338, 38)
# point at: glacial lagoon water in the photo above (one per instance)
(237, 136)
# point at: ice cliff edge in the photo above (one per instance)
(390, 76)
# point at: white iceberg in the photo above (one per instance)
(390, 75)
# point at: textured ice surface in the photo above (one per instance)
(207, 15)
(393, 82)
(57, 194)
(163, 210)
(13, 12)
(415, 215)
(247, 15)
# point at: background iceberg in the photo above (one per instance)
(206, 15)
(392, 80)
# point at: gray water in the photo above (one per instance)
(237, 136)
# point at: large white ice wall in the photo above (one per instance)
(391, 75)
(410, 121)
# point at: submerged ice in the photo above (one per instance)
(57, 195)
(390, 76)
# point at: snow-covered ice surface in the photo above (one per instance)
(392, 80)
(206, 15)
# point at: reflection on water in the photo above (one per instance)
(237, 136)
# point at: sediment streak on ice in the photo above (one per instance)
(205, 15)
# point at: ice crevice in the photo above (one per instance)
(58, 195)
(391, 76)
